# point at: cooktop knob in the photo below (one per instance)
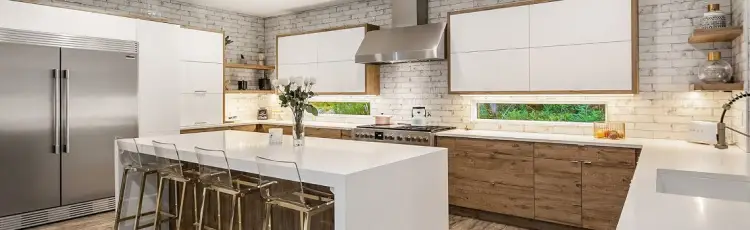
(399, 138)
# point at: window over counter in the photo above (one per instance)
(342, 108)
(542, 112)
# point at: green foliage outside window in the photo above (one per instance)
(542, 112)
(343, 108)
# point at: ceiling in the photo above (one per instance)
(266, 8)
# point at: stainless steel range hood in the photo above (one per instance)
(411, 39)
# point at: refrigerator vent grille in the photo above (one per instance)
(67, 41)
(36, 218)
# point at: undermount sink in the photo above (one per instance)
(708, 185)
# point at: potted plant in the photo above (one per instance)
(295, 94)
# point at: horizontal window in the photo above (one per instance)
(343, 108)
(542, 112)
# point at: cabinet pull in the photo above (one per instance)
(587, 162)
(201, 91)
(576, 162)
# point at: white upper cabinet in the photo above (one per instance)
(201, 46)
(501, 70)
(158, 81)
(298, 70)
(340, 77)
(198, 109)
(32, 17)
(571, 22)
(603, 66)
(340, 45)
(298, 49)
(504, 28)
(202, 77)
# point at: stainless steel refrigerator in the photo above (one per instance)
(63, 100)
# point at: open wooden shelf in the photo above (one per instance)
(249, 66)
(250, 91)
(715, 35)
(717, 86)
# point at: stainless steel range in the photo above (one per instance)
(398, 134)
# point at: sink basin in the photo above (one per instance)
(708, 185)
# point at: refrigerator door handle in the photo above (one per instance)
(66, 113)
(56, 109)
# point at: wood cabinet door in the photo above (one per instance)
(323, 133)
(489, 71)
(246, 128)
(469, 31)
(557, 191)
(490, 175)
(604, 191)
(287, 130)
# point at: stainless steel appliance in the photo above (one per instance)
(419, 116)
(63, 100)
(399, 134)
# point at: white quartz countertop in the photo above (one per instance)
(646, 208)
(314, 124)
(340, 157)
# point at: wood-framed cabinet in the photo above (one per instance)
(287, 130)
(581, 186)
(547, 49)
(328, 55)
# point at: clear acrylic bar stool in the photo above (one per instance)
(170, 168)
(132, 162)
(222, 181)
(306, 201)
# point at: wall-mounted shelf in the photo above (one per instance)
(249, 92)
(249, 66)
(715, 35)
(717, 86)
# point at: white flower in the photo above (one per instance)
(283, 81)
(313, 80)
(299, 81)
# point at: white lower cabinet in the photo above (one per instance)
(490, 71)
(201, 77)
(601, 66)
(201, 108)
(340, 77)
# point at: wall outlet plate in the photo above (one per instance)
(703, 132)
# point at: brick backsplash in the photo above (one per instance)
(662, 109)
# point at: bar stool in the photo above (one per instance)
(222, 181)
(170, 168)
(132, 162)
(306, 201)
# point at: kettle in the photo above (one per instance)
(419, 116)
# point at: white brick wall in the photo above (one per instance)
(668, 64)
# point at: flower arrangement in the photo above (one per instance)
(295, 93)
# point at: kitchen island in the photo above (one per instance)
(376, 185)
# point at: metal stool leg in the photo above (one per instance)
(123, 180)
(218, 209)
(306, 221)
(239, 211)
(234, 209)
(195, 201)
(267, 219)
(203, 209)
(140, 202)
(159, 193)
(182, 205)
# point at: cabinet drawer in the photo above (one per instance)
(246, 128)
(610, 156)
(483, 147)
(491, 168)
(287, 130)
(614, 181)
(505, 199)
(601, 211)
(323, 133)
(558, 151)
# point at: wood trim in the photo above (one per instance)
(634, 57)
(372, 71)
(248, 66)
(223, 79)
(715, 35)
(249, 91)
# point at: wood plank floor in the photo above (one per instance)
(104, 222)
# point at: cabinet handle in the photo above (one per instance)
(576, 162)
(201, 91)
(587, 162)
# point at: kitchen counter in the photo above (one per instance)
(402, 185)
(314, 124)
(645, 208)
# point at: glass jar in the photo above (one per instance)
(715, 70)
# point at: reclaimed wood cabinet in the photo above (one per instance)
(574, 185)
(203, 130)
(323, 133)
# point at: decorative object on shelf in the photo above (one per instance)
(227, 41)
(295, 94)
(713, 18)
(609, 130)
(276, 136)
(151, 11)
(242, 85)
(264, 83)
(242, 59)
(715, 70)
(261, 59)
(262, 114)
